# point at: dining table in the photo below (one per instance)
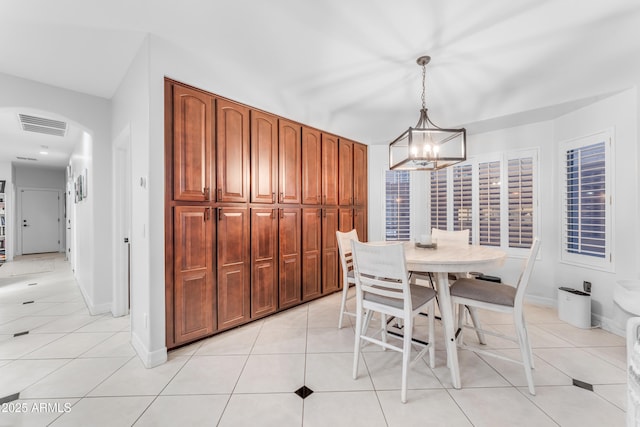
(440, 260)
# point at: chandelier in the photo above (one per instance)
(427, 146)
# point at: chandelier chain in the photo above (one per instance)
(424, 74)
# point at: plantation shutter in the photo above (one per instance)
(462, 198)
(489, 203)
(439, 199)
(585, 204)
(520, 202)
(397, 222)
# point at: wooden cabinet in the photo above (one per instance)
(264, 262)
(194, 298)
(311, 166)
(252, 205)
(192, 132)
(289, 255)
(232, 151)
(360, 175)
(233, 267)
(264, 157)
(330, 256)
(290, 161)
(360, 223)
(345, 219)
(345, 172)
(329, 169)
(311, 253)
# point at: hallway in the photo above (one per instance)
(74, 369)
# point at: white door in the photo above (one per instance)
(40, 222)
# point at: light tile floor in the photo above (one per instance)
(74, 369)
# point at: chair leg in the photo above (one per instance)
(343, 304)
(525, 351)
(432, 335)
(406, 355)
(383, 330)
(528, 342)
(460, 323)
(356, 347)
(476, 324)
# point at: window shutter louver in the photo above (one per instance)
(439, 199)
(397, 225)
(462, 198)
(520, 202)
(489, 203)
(585, 207)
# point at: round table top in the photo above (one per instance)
(450, 258)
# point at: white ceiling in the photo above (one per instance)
(348, 64)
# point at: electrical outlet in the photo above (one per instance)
(586, 286)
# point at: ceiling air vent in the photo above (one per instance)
(26, 158)
(42, 125)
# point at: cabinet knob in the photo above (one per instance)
(219, 194)
(273, 197)
(281, 197)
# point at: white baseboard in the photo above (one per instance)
(150, 359)
(543, 301)
(93, 308)
(598, 320)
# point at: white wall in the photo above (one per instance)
(39, 177)
(93, 269)
(619, 113)
(131, 109)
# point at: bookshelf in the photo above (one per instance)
(3, 228)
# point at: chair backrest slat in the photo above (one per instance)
(344, 248)
(458, 237)
(382, 270)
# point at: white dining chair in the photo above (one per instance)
(504, 299)
(448, 237)
(346, 262)
(382, 286)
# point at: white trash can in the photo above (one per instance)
(574, 307)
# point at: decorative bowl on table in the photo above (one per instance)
(432, 245)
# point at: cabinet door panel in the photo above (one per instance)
(345, 172)
(360, 223)
(194, 298)
(232, 147)
(311, 167)
(329, 169)
(360, 175)
(330, 256)
(345, 220)
(311, 253)
(192, 144)
(264, 157)
(233, 267)
(264, 262)
(289, 255)
(290, 161)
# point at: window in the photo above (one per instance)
(463, 198)
(439, 199)
(489, 203)
(586, 213)
(520, 202)
(494, 196)
(397, 205)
